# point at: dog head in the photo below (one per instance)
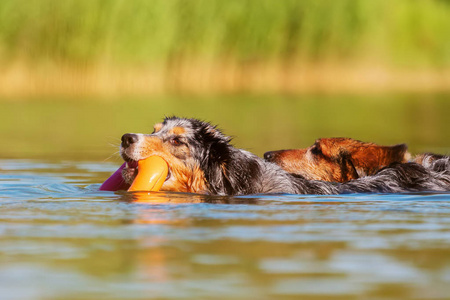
(338, 159)
(199, 156)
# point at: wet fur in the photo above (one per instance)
(344, 159)
(202, 160)
(435, 162)
(338, 159)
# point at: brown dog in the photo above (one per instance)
(338, 159)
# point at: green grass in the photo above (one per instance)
(166, 32)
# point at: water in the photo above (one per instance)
(61, 238)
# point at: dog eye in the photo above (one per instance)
(176, 141)
(315, 150)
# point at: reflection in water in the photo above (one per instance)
(155, 209)
(186, 198)
(65, 239)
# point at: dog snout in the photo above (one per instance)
(269, 156)
(128, 139)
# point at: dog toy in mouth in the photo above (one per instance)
(115, 182)
(152, 172)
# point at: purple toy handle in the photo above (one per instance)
(115, 182)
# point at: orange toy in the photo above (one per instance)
(152, 173)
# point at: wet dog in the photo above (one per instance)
(202, 160)
(338, 159)
(344, 159)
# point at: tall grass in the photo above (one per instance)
(167, 33)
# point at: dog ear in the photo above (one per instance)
(370, 159)
(347, 167)
(397, 153)
(387, 155)
(239, 173)
(214, 159)
(360, 157)
(230, 171)
(227, 170)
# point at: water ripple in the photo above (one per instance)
(66, 239)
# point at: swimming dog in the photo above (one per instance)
(338, 159)
(344, 159)
(201, 159)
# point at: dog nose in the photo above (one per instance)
(269, 155)
(128, 139)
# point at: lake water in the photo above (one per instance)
(61, 238)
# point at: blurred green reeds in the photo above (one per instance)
(234, 45)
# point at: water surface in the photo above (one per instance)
(61, 238)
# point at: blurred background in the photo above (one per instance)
(77, 74)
